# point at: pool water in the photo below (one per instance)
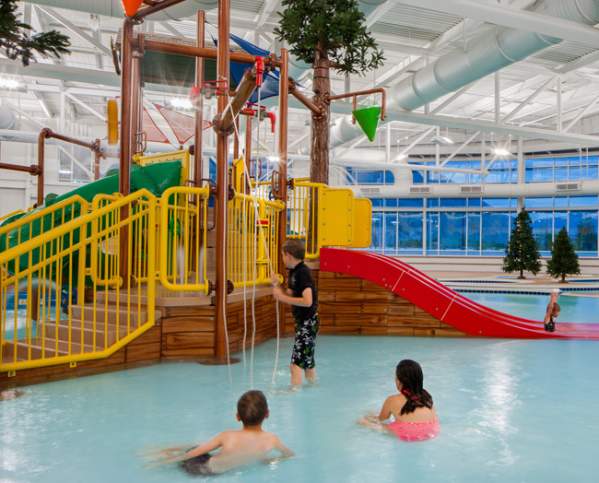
(573, 308)
(510, 411)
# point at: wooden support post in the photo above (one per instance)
(199, 116)
(222, 73)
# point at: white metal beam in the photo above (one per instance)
(527, 101)
(581, 114)
(268, 8)
(459, 149)
(507, 16)
(76, 161)
(75, 29)
(85, 106)
(378, 13)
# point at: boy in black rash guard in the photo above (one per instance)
(302, 296)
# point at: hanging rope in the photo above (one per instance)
(254, 274)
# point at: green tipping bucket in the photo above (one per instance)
(368, 120)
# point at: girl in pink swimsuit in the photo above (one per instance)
(414, 418)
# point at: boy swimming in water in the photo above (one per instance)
(237, 447)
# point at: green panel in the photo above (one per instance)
(368, 120)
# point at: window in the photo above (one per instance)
(432, 233)
(410, 232)
(495, 228)
(453, 229)
(473, 242)
(390, 247)
(542, 227)
(377, 231)
(583, 232)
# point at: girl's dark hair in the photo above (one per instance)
(409, 373)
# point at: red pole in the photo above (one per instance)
(222, 74)
(199, 79)
(283, 118)
(126, 121)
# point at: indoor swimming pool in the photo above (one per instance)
(574, 308)
(510, 411)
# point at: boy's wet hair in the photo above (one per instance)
(252, 408)
(295, 248)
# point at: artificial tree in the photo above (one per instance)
(17, 41)
(564, 260)
(522, 252)
(328, 34)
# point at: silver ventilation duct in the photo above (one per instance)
(484, 55)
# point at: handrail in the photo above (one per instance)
(53, 214)
(66, 318)
(183, 239)
(253, 241)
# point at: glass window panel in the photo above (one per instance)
(377, 202)
(538, 203)
(391, 202)
(497, 202)
(452, 202)
(410, 232)
(542, 227)
(453, 228)
(377, 231)
(474, 202)
(410, 202)
(417, 177)
(432, 202)
(474, 233)
(390, 233)
(560, 220)
(432, 233)
(583, 232)
(576, 201)
(496, 228)
(560, 202)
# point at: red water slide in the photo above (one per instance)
(442, 302)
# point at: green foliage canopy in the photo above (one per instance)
(522, 252)
(564, 260)
(18, 43)
(335, 27)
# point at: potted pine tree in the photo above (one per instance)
(329, 34)
(522, 253)
(564, 260)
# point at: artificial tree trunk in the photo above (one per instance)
(321, 86)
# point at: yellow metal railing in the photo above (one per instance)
(59, 313)
(183, 239)
(252, 250)
(39, 222)
(325, 216)
(302, 208)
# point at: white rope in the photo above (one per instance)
(254, 274)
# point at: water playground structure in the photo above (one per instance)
(157, 262)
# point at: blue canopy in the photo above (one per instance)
(270, 85)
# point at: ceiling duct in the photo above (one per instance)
(484, 55)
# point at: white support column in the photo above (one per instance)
(559, 103)
(497, 97)
(521, 170)
(388, 144)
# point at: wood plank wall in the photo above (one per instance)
(349, 305)
(184, 333)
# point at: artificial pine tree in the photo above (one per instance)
(522, 252)
(327, 34)
(17, 42)
(564, 260)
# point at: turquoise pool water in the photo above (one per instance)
(574, 308)
(511, 411)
